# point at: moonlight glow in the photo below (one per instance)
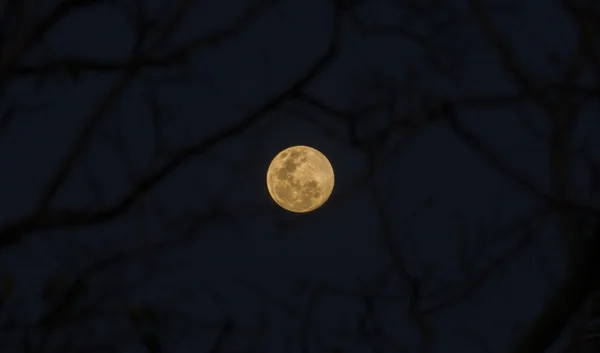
(300, 179)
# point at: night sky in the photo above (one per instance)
(161, 235)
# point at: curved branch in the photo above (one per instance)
(64, 8)
(566, 299)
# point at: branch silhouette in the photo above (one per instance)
(374, 109)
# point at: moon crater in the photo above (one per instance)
(300, 179)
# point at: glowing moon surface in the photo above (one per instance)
(300, 179)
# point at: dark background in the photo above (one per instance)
(135, 137)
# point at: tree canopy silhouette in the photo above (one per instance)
(134, 138)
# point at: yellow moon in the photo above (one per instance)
(300, 179)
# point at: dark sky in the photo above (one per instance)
(258, 262)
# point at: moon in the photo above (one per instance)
(300, 179)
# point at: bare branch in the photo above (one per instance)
(565, 300)
(11, 55)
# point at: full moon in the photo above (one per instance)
(300, 179)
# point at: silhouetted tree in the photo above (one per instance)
(102, 196)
